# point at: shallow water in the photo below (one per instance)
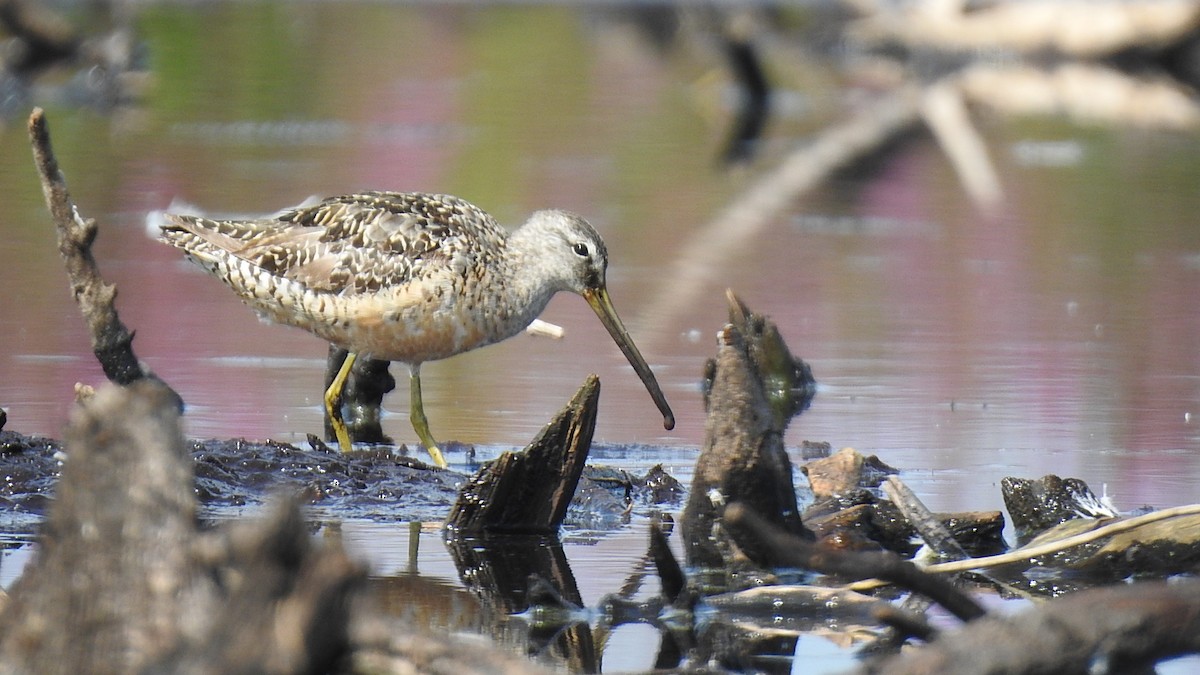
(1058, 333)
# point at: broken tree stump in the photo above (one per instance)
(754, 388)
(102, 593)
(125, 581)
(362, 397)
(529, 492)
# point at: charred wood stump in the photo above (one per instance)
(362, 397)
(753, 389)
(529, 492)
(503, 529)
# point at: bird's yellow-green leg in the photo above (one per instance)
(333, 403)
(417, 416)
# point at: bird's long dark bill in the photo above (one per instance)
(602, 305)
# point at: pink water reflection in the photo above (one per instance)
(1060, 334)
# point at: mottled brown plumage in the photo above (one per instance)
(408, 277)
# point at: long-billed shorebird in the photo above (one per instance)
(408, 277)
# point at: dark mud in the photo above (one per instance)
(373, 484)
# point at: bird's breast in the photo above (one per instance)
(415, 324)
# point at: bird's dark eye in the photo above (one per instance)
(580, 249)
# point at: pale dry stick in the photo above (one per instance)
(935, 534)
(1048, 548)
(1073, 28)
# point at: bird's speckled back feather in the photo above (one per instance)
(351, 244)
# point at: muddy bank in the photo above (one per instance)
(367, 485)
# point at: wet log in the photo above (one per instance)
(1157, 549)
(933, 531)
(1120, 629)
(529, 492)
(111, 530)
(1142, 546)
(858, 520)
(362, 397)
(754, 388)
(794, 551)
(112, 342)
(125, 580)
(848, 516)
(1037, 505)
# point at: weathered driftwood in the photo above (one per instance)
(1031, 553)
(112, 342)
(125, 581)
(1054, 509)
(529, 492)
(1088, 93)
(1080, 28)
(843, 471)
(1120, 629)
(740, 225)
(755, 387)
(933, 531)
